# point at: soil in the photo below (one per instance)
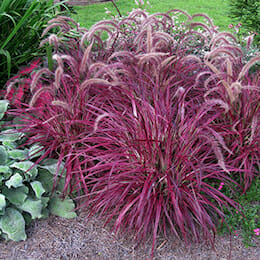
(80, 238)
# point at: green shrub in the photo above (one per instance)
(21, 25)
(248, 14)
(25, 189)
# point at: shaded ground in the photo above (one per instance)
(56, 238)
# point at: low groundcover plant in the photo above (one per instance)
(25, 189)
(148, 120)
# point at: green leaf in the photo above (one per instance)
(5, 169)
(16, 196)
(6, 53)
(15, 181)
(3, 107)
(37, 188)
(13, 224)
(5, 173)
(9, 144)
(28, 13)
(10, 135)
(51, 166)
(35, 151)
(27, 218)
(46, 179)
(25, 166)
(3, 155)
(45, 201)
(2, 201)
(34, 207)
(62, 208)
(45, 213)
(18, 154)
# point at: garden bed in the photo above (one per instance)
(79, 238)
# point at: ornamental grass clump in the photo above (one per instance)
(149, 118)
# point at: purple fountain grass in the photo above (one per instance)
(149, 118)
(158, 172)
(240, 125)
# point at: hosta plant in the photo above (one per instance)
(148, 120)
(25, 189)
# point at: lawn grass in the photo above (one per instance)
(217, 10)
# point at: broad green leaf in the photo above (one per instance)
(3, 155)
(45, 213)
(46, 179)
(37, 188)
(15, 181)
(10, 135)
(34, 207)
(3, 107)
(5, 173)
(18, 154)
(45, 201)
(35, 151)
(9, 144)
(25, 166)
(5, 169)
(2, 201)
(51, 166)
(13, 224)
(27, 218)
(62, 208)
(16, 196)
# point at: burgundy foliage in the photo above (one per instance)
(149, 118)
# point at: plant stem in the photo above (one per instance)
(116, 8)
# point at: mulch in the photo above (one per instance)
(81, 238)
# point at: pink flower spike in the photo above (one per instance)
(239, 25)
(230, 26)
(235, 232)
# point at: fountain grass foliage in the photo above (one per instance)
(150, 116)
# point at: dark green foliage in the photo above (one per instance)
(247, 221)
(247, 12)
(21, 26)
